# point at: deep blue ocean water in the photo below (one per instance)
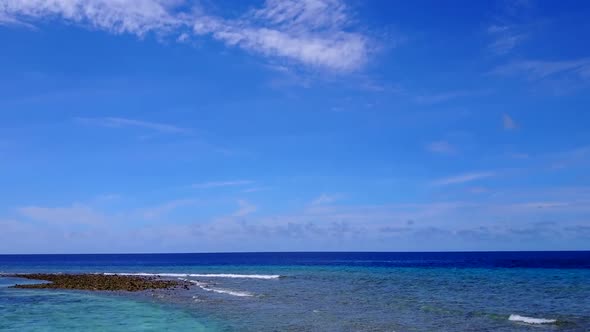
(483, 291)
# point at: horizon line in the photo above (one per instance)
(290, 252)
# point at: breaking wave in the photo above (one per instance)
(205, 286)
(531, 320)
(200, 275)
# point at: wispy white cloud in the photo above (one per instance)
(312, 32)
(463, 178)
(161, 209)
(217, 184)
(8, 20)
(437, 98)
(511, 27)
(577, 157)
(441, 147)
(544, 205)
(508, 123)
(114, 122)
(90, 214)
(505, 38)
(315, 33)
(245, 208)
(326, 199)
(558, 77)
(75, 214)
(537, 70)
(135, 17)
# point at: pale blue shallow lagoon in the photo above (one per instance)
(531, 291)
(52, 310)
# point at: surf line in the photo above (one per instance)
(205, 286)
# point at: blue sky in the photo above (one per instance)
(182, 126)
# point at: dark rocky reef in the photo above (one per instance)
(99, 282)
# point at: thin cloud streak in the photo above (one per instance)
(75, 214)
(114, 122)
(162, 209)
(442, 97)
(537, 69)
(217, 184)
(245, 208)
(505, 38)
(463, 178)
(509, 30)
(325, 199)
(441, 147)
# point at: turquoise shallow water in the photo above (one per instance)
(337, 295)
(53, 310)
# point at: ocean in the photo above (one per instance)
(343, 291)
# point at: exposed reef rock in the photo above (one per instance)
(99, 282)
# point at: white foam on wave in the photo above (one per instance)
(205, 286)
(200, 275)
(245, 276)
(229, 292)
(531, 320)
(142, 274)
